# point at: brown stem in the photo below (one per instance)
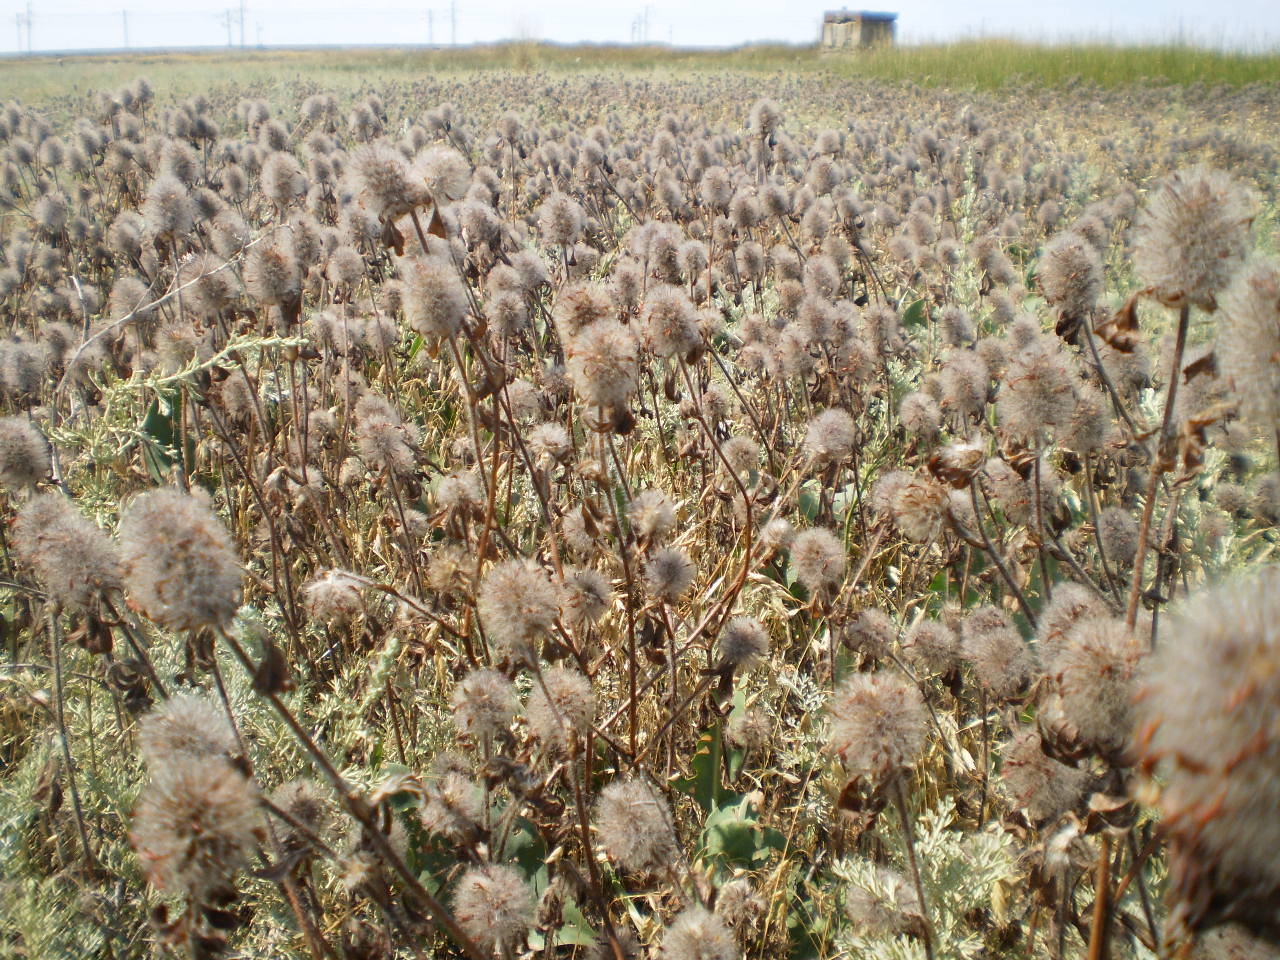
(1157, 466)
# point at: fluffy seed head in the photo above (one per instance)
(635, 827)
(1070, 275)
(187, 726)
(568, 710)
(445, 172)
(1193, 236)
(332, 597)
(179, 563)
(71, 556)
(1207, 723)
(933, 646)
(24, 454)
(669, 574)
(670, 322)
(602, 364)
(382, 177)
(484, 703)
(1001, 660)
(830, 437)
(697, 934)
(1045, 788)
(920, 509)
(1094, 674)
(1038, 391)
(560, 218)
(743, 643)
(194, 826)
(1249, 341)
(167, 208)
(652, 514)
(818, 559)
(877, 726)
(435, 303)
(494, 905)
(271, 273)
(518, 605)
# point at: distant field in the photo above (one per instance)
(985, 64)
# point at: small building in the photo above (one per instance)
(857, 29)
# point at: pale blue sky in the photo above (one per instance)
(76, 24)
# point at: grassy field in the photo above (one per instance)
(985, 64)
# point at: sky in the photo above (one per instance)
(102, 24)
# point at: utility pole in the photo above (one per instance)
(27, 20)
(124, 23)
(431, 28)
(453, 22)
(226, 17)
(242, 23)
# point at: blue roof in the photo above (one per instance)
(863, 15)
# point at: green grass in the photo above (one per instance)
(988, 63)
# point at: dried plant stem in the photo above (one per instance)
(909, 840)
(357, 806)
(1098, 935)
(1158, 466)
(59, 696)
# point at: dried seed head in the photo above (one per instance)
(877, 726)
(454, 808)
(1070, 275)
(435, 302)
(1094, 674)
(384, 441)
(670, 322)
(1248, 348)
(333, 597)
(743, 643)
(187, 726)
(179, 563)
(382, 176)
(494, 906)
(669, 575)
(635, 827)
(1038, 391)
(697, 934)
(1045, 788)
(167, 207)
(518, 606)
(1119, 533)
(484, 704)
(870, 632)
(1072, 604)
(71, 556)
(887, 907)
(920, 509)
(568, 710)
(933, 646)
(24, 454)
(1207, 724)
(652, 515)
(1193, 236)
(1002, 662)
(602, 364)
(307, 803)
(830, 437)
(560, 219)
(818, 559)
(271, 273)
(194, 827)
(445, 172)
(921, 416)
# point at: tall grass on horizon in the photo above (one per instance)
(982, 63)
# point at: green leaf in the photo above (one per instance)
(704, 782)
(914, 315)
